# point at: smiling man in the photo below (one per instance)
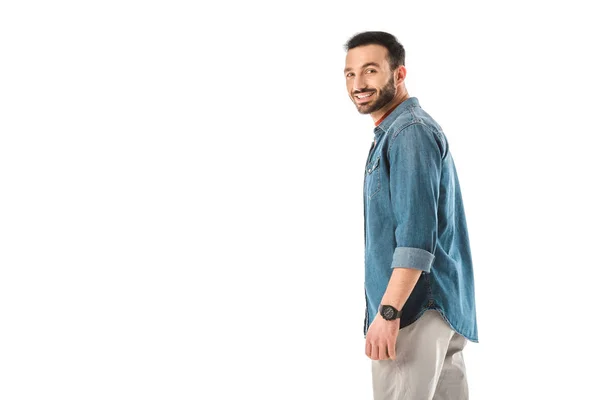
(420, 301)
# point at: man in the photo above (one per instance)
(419, 287)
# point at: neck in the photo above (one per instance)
(399, 98)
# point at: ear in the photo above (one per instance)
(400, 74)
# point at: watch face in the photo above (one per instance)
(388, 312)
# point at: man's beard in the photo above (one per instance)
(385, 96)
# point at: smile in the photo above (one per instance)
(364, 96)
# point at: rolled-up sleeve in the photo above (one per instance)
(415, 172)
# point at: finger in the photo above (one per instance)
(368, 349)
(391, 349)
(374, 352)
(384, 355)
(380, 352)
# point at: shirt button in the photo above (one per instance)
(369, 170)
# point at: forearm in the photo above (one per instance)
(400, 286)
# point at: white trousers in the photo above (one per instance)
(429, 363)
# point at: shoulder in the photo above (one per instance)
(418, 132)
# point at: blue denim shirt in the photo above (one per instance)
(414, 218)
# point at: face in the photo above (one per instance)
(369, 80)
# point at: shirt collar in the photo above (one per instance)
(387, 120)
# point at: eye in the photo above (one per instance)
(371, 70)
(349, 74)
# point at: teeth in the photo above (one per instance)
(364, 95)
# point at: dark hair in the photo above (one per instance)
(387, 40)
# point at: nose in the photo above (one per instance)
(359, 83)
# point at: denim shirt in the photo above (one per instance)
(414, 218)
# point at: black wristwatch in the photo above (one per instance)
(389, 313)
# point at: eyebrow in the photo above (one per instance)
(374, 64)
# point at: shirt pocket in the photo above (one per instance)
(373, 177)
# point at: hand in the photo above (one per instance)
(381, 339)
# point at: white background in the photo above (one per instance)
(181, 194)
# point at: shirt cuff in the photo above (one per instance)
(412, 257)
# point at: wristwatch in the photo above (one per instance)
(389, 313)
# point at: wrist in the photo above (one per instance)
(391, 302)
(388, 312)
